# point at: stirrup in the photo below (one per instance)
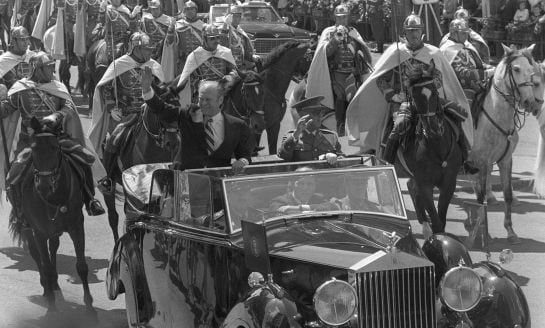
(106, 186)
(94, 208)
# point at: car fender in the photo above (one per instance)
(445, 251)
(503, 304)
(126, 274)
(262, 308)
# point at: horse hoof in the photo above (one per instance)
(514, 240)
(515, 201)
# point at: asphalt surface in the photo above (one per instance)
(22, 306)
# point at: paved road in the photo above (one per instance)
(22, 306)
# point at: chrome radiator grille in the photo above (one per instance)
(264, 46)
(397, 298)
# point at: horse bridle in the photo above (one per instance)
(517, 112)
(54, 174)
(159, 139)
(249, 109)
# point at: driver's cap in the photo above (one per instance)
(312, 105)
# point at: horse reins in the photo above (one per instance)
(249, 109)
(511, 99)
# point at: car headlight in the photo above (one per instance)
(461, 289)
(335, 302)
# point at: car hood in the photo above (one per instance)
(274, 30)
(336, 243)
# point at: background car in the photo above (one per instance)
(263, 25)
(217, 250)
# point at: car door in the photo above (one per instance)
(199, 258)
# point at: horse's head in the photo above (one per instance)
(165, 133)
(303, 63)
(253, 100)
(515, 78)
(46, 156)
(424, 93)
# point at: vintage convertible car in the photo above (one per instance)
(281, 246)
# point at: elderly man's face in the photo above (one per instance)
(210, 99)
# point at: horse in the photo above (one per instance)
(431, 155)
(516, 89)
(52, 204)
(278, 70)
(148, 140)
(246, 101)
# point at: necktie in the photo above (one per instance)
(209, 136)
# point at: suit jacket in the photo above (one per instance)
(192, 153)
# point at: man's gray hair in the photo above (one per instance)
(212, 84)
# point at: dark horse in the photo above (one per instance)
(51, 205)
(279, 68)
(148, 140)
(432, 155)
(246, 101)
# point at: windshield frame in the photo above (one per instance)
(226, 198)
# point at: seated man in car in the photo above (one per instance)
(356, 195)
(301, 196)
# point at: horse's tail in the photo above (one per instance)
(539, 176)
(15, 227)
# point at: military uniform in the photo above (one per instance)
(18, 72)
(310, 146)
(188, 37)
(115, 25)
(33, 103)
(239, 44)
(156, 29)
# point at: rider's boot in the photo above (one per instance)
(92, 205)
(469, 167)
(340, 116)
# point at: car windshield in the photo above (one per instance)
(249, 15)
(261, 198)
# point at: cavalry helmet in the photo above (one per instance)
(236, 9)
(209, 30)
(413, 22)
(19, 33)
(459, 25)
(190, 4)
(461, 13)
(139, 39)
(341, 10)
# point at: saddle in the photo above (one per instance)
(478, 102)
(118, 139)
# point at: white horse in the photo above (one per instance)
(517, 88)
(539, 172)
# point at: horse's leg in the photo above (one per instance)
(490, 197)
(49, 272)
(445, 197)
(64, 73)
(78, 238)
(505, 174)
(429, 205)
(29, 239)
(53, 248)
(272, 137)
(421, 215)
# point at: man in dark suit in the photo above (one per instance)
(210, 138)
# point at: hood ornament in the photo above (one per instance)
(391, 241)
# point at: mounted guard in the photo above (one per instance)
(234, 38)
(339, 66)
(183, 37)
(115, 25)
(475, 38)
(379, 116)
(155, 24)
(14, 64)
(48, 100)
(471, 71)
(211, 61)
(117, 100)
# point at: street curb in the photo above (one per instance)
(520, 184)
